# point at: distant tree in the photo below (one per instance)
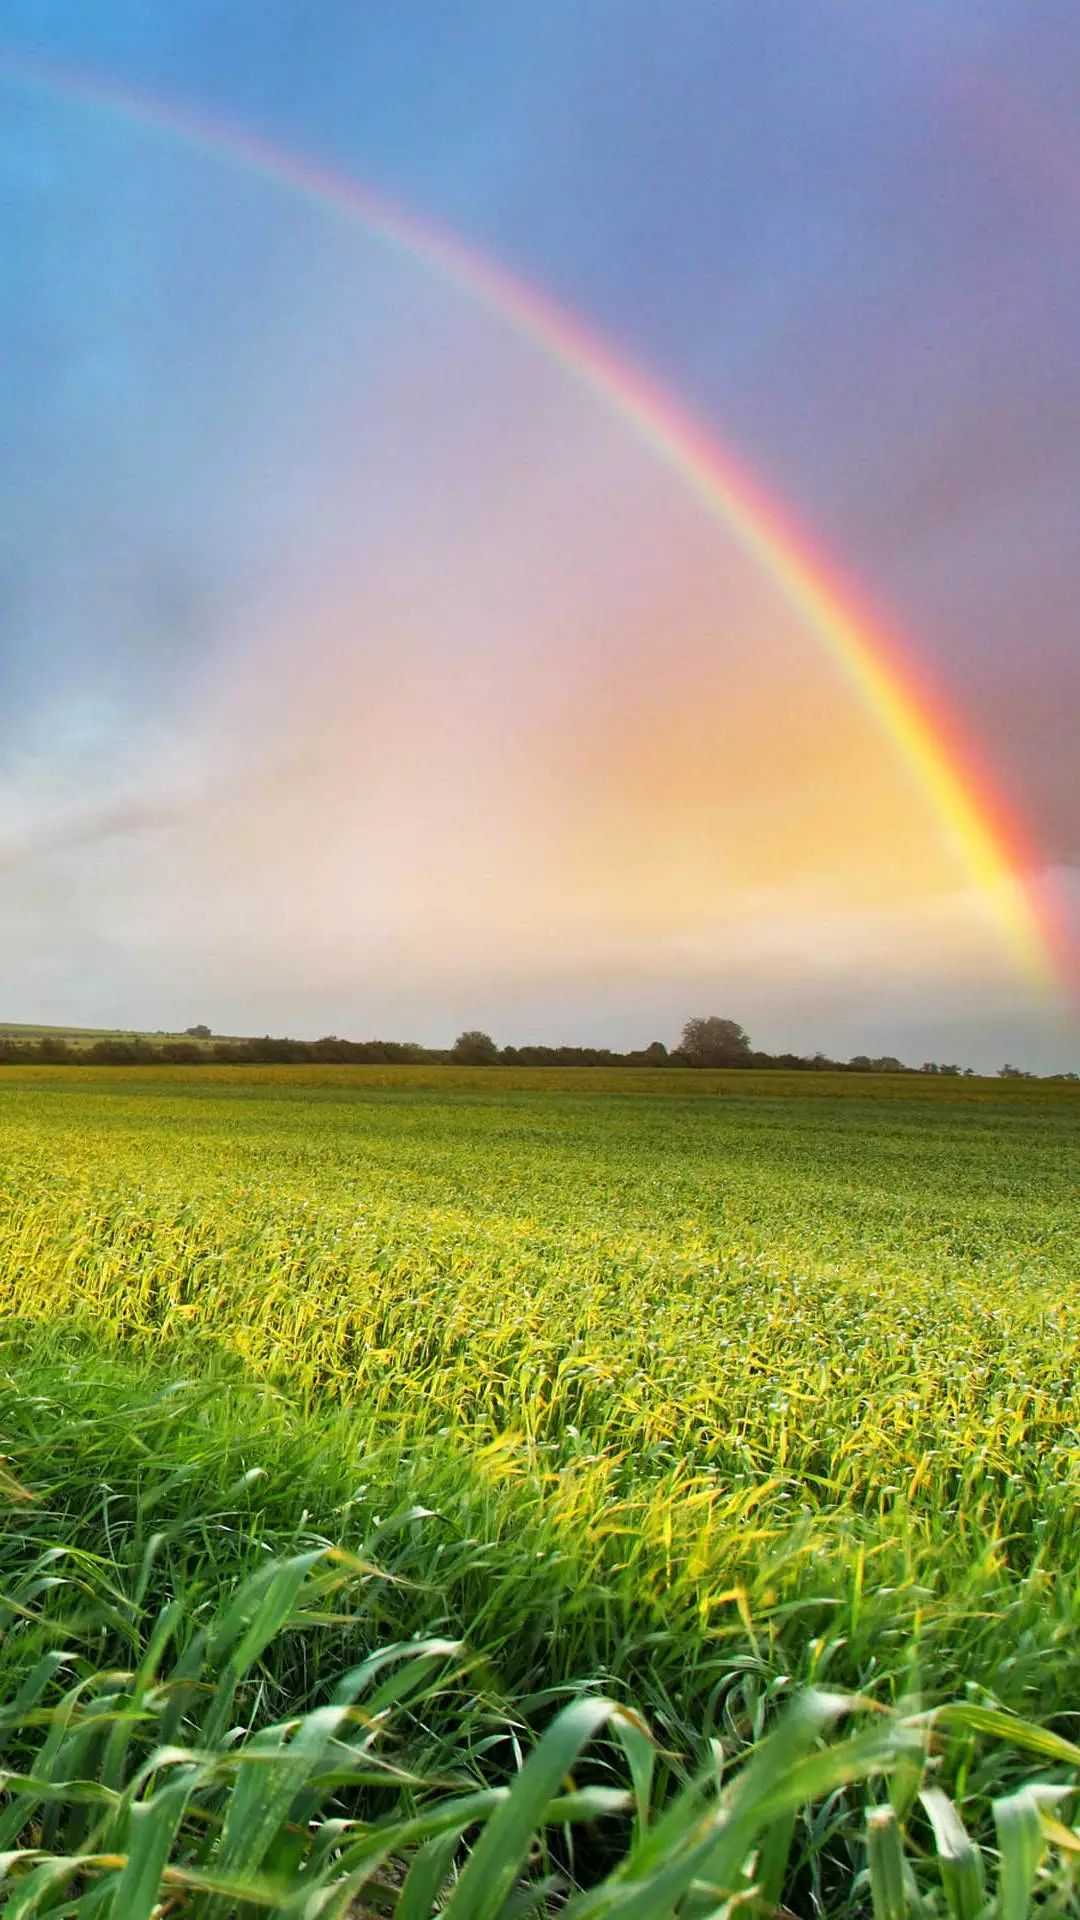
(1013, 1073)
(474, 1049)
(656, 1053)
(929, 1066)
(198, 1033)
(121, 1053)
(708, 1041)
(861, 1063)
(180, 1053)
(52, 1051)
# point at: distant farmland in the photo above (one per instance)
(81, 1037)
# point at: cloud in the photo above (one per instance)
(70, 828)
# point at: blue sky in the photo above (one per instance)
(846, 237)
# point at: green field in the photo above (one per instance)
(80, 1038)
(689, 1390)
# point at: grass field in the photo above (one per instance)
(687, 1390)
(80, 1038)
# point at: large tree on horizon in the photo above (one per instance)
(474, 1049)
(709, 1041)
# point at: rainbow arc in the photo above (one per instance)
(925, 734)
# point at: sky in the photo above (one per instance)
(363, 671)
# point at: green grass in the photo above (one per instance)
(175, 1623)
(685, 1390)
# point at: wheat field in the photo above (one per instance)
(694, 1393)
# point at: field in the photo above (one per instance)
(686, 1390)
(80, 1038)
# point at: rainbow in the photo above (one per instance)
(986, 838)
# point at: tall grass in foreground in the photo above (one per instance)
(125, 1452)
(199, 1686)
(164, 1786)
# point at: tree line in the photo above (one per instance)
(707, 1040)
